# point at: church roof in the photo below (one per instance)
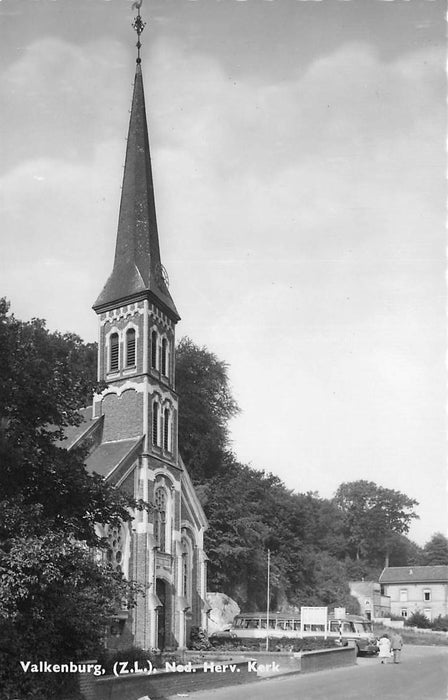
(137, 270)
(75, 435)
(414, 574)
(109, 456)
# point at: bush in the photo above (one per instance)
(418, 619)
(199, 640)
(16, 684)
(440, 624)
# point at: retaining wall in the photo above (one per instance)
(215, 671)
(327, 658)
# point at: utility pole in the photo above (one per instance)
(267, 600)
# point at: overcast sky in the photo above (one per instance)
(299, 163)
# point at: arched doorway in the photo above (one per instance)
(161, 613)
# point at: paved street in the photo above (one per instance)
(422, 675)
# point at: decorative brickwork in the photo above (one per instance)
(124, 416)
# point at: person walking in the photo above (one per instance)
(384, 648)
(396, 644)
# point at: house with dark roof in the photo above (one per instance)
(416, 588)
(131, 428)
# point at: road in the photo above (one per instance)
(422, 675)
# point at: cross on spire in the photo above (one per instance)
(139, 26)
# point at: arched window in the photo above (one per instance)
(164, 357)
(160, 518)
(166, 430)
(130, 347)
(114, 353)
(186, 569)
(155, 423)
(154, 349)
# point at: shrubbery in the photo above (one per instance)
(227, 643)
(199, 640)
(440, 624)
(418, 619)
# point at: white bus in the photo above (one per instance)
(350, 629)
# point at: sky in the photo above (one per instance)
(298, 151)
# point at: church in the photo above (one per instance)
(131, 428)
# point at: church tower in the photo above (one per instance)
(136, 312)
(133, 423)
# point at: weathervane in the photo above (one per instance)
(139, 26)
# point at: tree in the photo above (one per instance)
(206, 406)
(435, 550)
(55, 595)
(373, 515)
(404, 552)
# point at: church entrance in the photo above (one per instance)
(161, 614)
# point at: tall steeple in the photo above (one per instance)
(133, 440)
(138, 271)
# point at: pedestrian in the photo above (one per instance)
(396, 644)
(384, 648)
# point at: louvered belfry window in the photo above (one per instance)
(164, 357)
(114, 353)
(155, 423)
(166, 429)
(130, 347)
(154, 349)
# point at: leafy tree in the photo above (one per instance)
(373, 515)
(436, 550)
(329, 583)
(403, 551)
(250, 512)
(206, 406)
(55, 597)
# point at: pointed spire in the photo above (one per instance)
(137, 271)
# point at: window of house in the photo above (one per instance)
(130, 347)
(155, 423)
(166, 430)
(160, 518)
(404, 612)
(114, 350)
(403, 595)
(427, 594)
(154, 349)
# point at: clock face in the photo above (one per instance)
(162, 275)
